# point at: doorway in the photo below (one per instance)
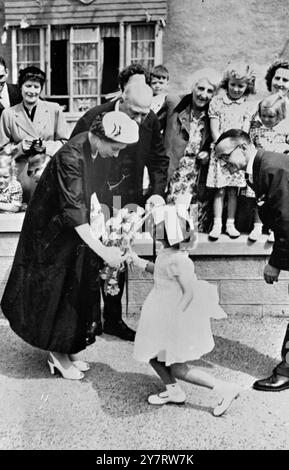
(109, 83)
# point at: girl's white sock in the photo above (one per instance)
(218, 221)
(173, 389)
(230, 222)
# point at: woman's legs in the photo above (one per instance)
(232, 207)
(63, 364)
(218, 205)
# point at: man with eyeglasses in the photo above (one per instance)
(268, 174)
(9, 93)
(123, 179)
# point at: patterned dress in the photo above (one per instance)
(186, 177)
(12, 193)
(232, 114)
(274, 139)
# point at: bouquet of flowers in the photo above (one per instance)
(120, 232)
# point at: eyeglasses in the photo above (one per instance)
(224, 157)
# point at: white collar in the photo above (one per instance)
(228, 100)
(253, 153)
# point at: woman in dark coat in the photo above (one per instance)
(47, 297)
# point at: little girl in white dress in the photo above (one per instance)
(174, 326)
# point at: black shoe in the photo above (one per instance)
(93, 329)
(119, 329)
(274, 383)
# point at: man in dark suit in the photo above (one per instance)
(124, 184)
(268, 174)
(9, 94)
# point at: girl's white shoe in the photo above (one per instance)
(232, 231)
(271, 237)
(71, 372)
(228, 397)
(164, 397)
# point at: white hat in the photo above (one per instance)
(120, 127)
(177, 221)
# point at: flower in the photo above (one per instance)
(119, 231)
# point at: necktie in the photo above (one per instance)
(248, 181)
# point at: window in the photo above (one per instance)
(85, 68)
(82, 63)
(143, 45)
(28, 48)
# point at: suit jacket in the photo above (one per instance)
(15, 96)
(49, 124)
(178, 131)
(271, 185)
(126, 172)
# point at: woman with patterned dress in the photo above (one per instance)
(187, 141)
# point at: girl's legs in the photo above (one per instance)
(232, 206)
(173, 392)
(196, 376)
(257, 229)
(218, 205)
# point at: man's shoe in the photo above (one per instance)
(119, 329)
(93, 329)
(274, 383)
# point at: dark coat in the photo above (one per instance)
(15, 96)
(126, 174)
(45, 294)
(271, 185)
(178, 131)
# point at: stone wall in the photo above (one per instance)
(209, 33)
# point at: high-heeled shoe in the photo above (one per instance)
(81, 365)
(71, 373)
(228, 397)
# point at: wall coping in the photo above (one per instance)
(10, 224)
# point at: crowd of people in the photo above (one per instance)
(151, 149)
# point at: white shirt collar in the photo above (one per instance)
(253, 153)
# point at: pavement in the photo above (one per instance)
(107, 410)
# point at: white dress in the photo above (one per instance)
(164, 331)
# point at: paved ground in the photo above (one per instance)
(108, 410)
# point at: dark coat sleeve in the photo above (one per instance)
(70, 175)
(157, 161)
(83, 124)
(275, 212)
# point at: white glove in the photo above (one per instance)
(112, 256)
